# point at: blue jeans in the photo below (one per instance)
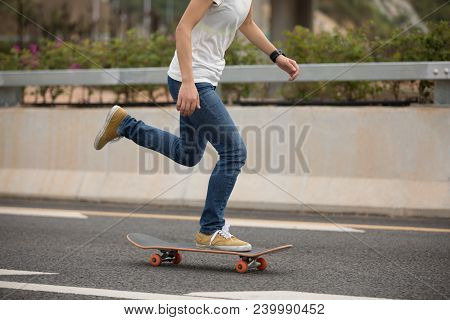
(212, 123)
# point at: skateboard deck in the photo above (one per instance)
(170, 252)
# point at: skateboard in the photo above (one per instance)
(170, 252)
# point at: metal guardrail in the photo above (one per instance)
(439, 72)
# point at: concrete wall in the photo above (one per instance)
(366, 160)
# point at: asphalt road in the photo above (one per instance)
(403, 258)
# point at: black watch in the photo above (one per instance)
(274, 55)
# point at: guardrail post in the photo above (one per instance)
(10, 96)
(442, 92)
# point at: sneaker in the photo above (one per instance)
(108, 132)
(222, 240)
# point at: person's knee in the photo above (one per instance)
(191, 159)
(191, 162)
(233, 153)
(237, 156)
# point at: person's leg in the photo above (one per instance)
(214, 122)
(186, 150)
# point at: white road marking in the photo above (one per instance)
(257, 223)
(91, 291)
(273, 295)
(296, 225)
(38, 212)
(236, 295)
(6, 272)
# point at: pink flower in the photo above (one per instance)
(75, 66)
(33, 48)
(58, 43)
(17, 48)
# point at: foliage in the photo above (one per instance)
(328, 48)
(130, 52)
(359, 45)
(417, 45)
(10, 61)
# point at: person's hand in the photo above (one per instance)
(188, 99)
(289, 66)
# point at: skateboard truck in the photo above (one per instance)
(166, 256)
(246, 263)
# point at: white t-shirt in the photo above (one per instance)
(211, 37)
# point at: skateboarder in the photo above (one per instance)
(204, 33)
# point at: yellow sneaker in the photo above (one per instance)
(222, 240)
(108, 132)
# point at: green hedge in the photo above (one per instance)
(301, 44)
(361, 45)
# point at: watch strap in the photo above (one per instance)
(274, 55)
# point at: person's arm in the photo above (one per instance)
(188, 99)
(255, 35)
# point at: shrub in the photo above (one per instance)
(307, 47)
(360, 45)
(130, 52)
(10, 61)
(416, 45)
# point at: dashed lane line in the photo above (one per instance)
(237, 222)
(396, 228)
(119, 294)
(282, 224)
(256, 223)
(7, 272)
(38, 212)
(273, 295)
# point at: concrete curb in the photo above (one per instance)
(317, 195)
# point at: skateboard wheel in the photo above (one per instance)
(155, 260)
(262, 264)
(241, 266)
(177, 258)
